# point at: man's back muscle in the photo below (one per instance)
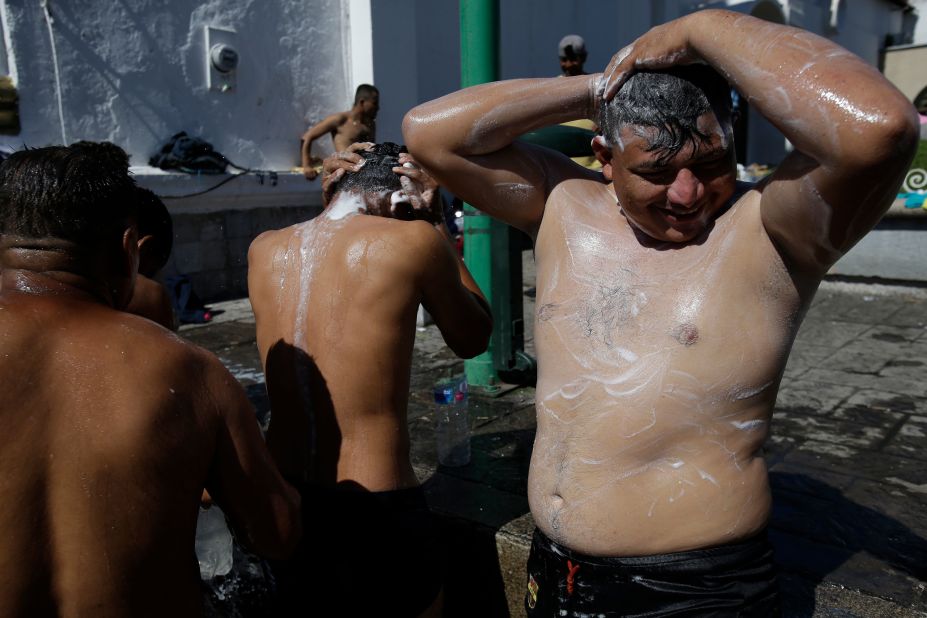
(90, 448)
(335, 301)
(669, 361)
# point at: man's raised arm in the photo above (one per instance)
(465, 140)
(854, 134)
(328, 125)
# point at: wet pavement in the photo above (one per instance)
(847, 458)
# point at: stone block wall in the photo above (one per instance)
(212, 247)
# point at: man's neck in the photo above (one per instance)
(51, 267)
(357, 114)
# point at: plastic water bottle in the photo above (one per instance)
(452, 422)
(213, 543)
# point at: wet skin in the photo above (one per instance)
(358, 124)
(340, 295)
(111, 427)
(668, 297)
(151, 300)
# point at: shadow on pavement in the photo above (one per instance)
(819, 533)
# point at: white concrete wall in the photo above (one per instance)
(133, 72)
(920, 26)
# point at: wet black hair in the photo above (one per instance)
(365, 91)
(376, 175)
(113, 155)
(82, 193)
(154, 220)
(670, 101)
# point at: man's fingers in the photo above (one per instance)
(343, 159)
(409, 186)
(423, 178)
(328, 184)
(617, 73)
(413, 174)
(615, 84)
(360, 146)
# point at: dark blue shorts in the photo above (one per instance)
(362, 554)
(728, 580)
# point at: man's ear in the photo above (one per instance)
(130, 250)
(603, 153)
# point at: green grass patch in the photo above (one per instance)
(920, 159)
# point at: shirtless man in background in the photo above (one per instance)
(335, 300)
(110, 426)
(357, 125)
(669, 295)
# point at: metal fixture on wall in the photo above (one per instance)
(221, 59)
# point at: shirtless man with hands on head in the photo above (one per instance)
(110, 425)
(668, 294)
(335, 300)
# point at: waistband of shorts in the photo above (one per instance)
(719, 556)
(410, 498)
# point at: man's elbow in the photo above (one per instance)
(414, 132)
(906, 132)
(889, 141)
(476, 339)
(281, 538)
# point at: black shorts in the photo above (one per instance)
(728, 580)
(362, 554)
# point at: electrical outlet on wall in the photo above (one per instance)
(221, 59)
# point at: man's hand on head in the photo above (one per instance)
(659, 48)
(420, 189)
(337, 165)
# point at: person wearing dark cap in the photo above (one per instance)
(572, 55)
(572, 58)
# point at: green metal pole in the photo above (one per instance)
(479, 62)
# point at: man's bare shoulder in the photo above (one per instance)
(404, 239)
(124, 343)
(267, 242)
(165, 346)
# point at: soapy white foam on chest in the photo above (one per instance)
(621, 385)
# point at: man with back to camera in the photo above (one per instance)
(335, 300)
(356, 125)
(668, 294)
(110, 426)
(150, 299)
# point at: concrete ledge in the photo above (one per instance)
(898, 209)
(513, 544)
(240, 191)
(895, 249)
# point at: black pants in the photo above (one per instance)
(362, 554)
(729, 580)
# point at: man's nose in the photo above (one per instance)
(686, 189)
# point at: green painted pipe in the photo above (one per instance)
(571, 141)
(479, 62)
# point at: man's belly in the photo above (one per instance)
(613, 482)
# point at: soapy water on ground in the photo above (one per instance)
(235, 583)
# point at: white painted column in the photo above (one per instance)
(360, 25)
